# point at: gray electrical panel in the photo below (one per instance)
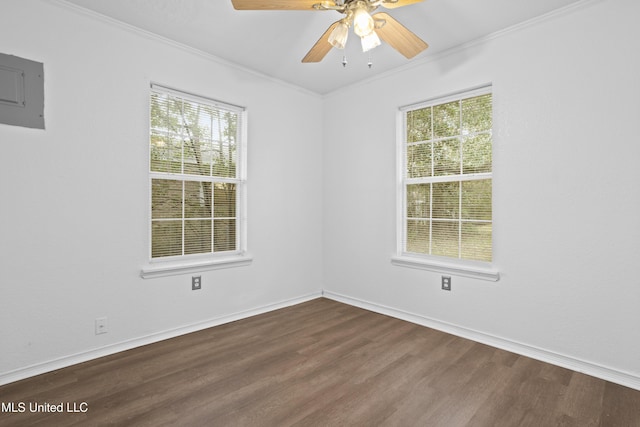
(21, 92)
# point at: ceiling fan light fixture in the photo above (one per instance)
(338, 37)
(369, 25)
(363, 23)
(370, 41)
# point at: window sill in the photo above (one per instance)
(185, 267)
(456, 269)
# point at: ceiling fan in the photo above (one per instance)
(357, 14)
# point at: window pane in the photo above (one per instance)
(197, 157)
(417, 236)
(166, 238)
(165, 115)
(225, 127)
(446, 200)
(419, 160)
(446, 157)
(188, 118)
(166, 153)
(160, 114)
(476, 199)
(419, 125)
(204, 121)
(418, 199)
(476, 154)
(224, 238)
(197, 236)
(197, 199)
(446, 120)
(445, 238)
(476, 241)
(476, 114)
(166, 198)
(224, 200)
(224, 160)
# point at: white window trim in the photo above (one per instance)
(172, 266)
(458, 267)
(455, 267)
(163, 269)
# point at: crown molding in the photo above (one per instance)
(63, 4)
(565, 10)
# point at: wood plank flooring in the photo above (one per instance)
(321, 363)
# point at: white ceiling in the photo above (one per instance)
(274, 42)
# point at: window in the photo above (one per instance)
(446, 178)
(196, 176)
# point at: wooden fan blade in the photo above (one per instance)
(399, 37)
(275, 4)
(322, 46)
(399, 3)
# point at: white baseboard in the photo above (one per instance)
(598, 371)
(608, 374)
(63, 362)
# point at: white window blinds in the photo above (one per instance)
(196, 174)
(447, 177)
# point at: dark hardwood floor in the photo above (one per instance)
(320, 363)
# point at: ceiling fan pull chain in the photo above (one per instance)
(344, 60)
(370, 63)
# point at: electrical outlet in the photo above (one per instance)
(101, 325)
(446, 283)
(196, 283)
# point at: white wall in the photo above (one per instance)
(73, 222)
(566, 198)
